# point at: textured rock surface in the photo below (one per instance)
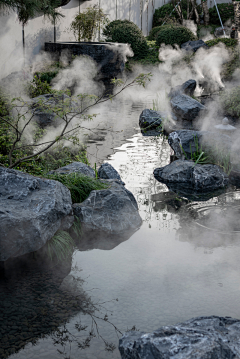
(150, 119)
(194, 45)
(186, 88)
(199, 338)
(32, 209)
(76, 167)
(110, 57)
(205, 140)
(185, 107)
(43, 108)
(187, 173)
(112, 210)
(107, 171)
(219, 31)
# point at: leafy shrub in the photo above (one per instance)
(129, 33)
(231, 101)
(226, 12)
(46, 76)
(203, 30)
(226, 41)
(87, 23)
(174, 34)
(37, 87)
(161, 12)
(80, 186)
(154, 33)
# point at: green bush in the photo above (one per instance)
(174, 34)
(80, 186)
(230, 100)
(46, 76)
(226, 41)
(129, 33)
(226, 12)
(161, 12)
(154, 33)
(37, 87)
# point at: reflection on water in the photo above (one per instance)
(178, 265)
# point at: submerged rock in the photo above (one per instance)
(199, 338)
(185, 107)
(197, 177)
(150, 119)
(113, 210)
(76, 167)
(32, 210)
(107, 171)
(194, 45)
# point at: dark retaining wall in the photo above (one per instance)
(109, 56)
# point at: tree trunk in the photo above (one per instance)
(206, 12)
(195, 11)
(23, 42)
(236, 6)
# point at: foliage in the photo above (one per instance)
(215, 156)
(203, 30)
(231, 66)
(174, 34)
(154, 32)
(46, 76)
(60, 246)
(161, 13)
(80, 186)
(22, 138)
(226, 41)
(127, 32)
(226, 12)
(38, 87)
(86, 24)
(230, 100)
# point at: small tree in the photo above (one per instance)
(86, 24)
(18, 121)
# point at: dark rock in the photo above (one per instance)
(191, 141)
(43, 108)
(107, 171)
(110, 57)
(219, 31)
(199, 338)
(197, 177)
(112, 210)
(186, 88)
(150, 119)
(185, 107)
(32, 209)
(194, 45)
(76, 167)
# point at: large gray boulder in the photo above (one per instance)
(113, 210)
(76, 167)
(189, 141)
(187, 88)
(185, 107)
(199, 338)
(193, 45)
(107, 171)
(32, 210)
(193, 176)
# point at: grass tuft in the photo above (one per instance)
(79, 185)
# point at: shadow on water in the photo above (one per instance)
(38, 298)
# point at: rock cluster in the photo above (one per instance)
(198, 338)
(32, 210)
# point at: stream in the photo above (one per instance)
(183, 262)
